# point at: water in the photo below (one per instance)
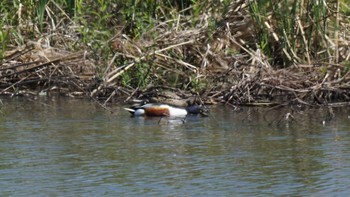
(68, 147)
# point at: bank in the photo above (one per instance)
(253, 53)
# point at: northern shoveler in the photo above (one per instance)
(152, 109)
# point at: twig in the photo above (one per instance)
(125, 68)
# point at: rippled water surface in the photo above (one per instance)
(67, 147)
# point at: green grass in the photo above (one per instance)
(301, 29)
(287, 31)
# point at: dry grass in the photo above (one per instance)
(221, 64)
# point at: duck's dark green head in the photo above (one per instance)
(197, 109)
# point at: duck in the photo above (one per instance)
(161, 110)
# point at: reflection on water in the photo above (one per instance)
(58, 147)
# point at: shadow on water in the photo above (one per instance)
(57, 146)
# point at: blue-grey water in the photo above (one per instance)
(70, 147)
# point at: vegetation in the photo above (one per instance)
(262, 52)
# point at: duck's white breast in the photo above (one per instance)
(173, 111)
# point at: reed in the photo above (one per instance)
(293, 31)
(3, 40)
(200, 46)
(5, 22)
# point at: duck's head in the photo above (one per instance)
(197, 109)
